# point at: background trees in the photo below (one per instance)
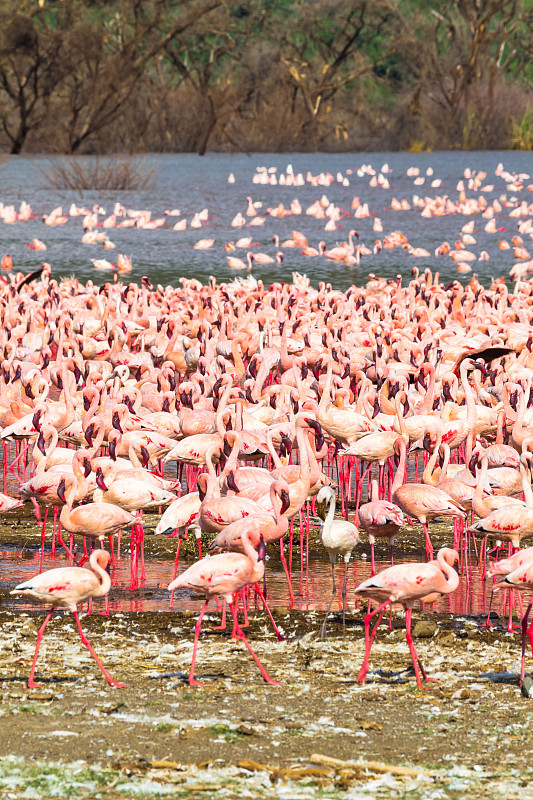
(109, 75)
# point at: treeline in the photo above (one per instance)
(265, 75)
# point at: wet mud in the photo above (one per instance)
(319, 734)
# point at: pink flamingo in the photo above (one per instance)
(405, 584)
(521, 578)
(223, 575)
(380, 519)
(419, 500)
(66, 587)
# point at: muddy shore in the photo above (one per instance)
(76, 736)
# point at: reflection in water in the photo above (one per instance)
(312, 588)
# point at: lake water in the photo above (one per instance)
(190, 184)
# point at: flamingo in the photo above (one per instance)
(380, 519)
(419, 500)
(223, 575)
(405, 584)
(67, 587)
(521, 578)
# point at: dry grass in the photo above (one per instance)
(115, 173)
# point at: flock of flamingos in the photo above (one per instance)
(269, 399)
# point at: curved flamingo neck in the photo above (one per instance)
(400, 471)
(427, 404)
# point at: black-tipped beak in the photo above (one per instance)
(41, 445)
(285, 501)
(201, 493)
(230, 480)
(86, 403)
(100, 480)
(28, 392)
(36, 420)
(87, 467)
(145, 456)
(89, 434)
(313, 424)
(61, 490)
(426, 444)
(116, 422)
(113, 450)
(261, 549)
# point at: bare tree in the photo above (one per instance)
(30, 70)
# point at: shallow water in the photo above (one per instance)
(311, 587)
(191, 183)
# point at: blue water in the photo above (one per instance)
(191, 183)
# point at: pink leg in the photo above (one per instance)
(373, 563)
(429, 546)
(42, 540)
(31, 682)
(287, 574)
(414, 654)
(525, 630)
(87, 644)
(223, 622)
(240, 635)
(176, 562)
(258, 591)
(369, 638)
(192, 680)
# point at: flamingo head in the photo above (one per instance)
(61, 490)
(100, 480)
(116, 422)
(145, 456)
(230, 480)
(285, 501)
(41, 444)
(89, 433)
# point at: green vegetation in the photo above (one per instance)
(92, 76)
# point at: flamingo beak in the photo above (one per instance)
(41, 444)
(116, 422)
(61, 490)
(230, 480)
(112, 449)
(285, 501)
(36, 420)
(87, 467)
(314, 424)
(100, 480)
(145, 456)
(261, 549)
(89, 435)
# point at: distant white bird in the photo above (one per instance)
(339, 537)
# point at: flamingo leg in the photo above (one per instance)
(262, 597)
(240, 635)
(192, 680)
(369, 638)
(344, 601)
(333, 593)
(223, 622)
(373, 562)
(31, 682)
(429, 546)
(287, 574)
(525, 630)
(176, 562)
(42, 539)
(87, 644)
(414, 654)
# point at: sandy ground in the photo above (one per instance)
(317, 735)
